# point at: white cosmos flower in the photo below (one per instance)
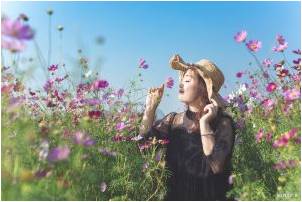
(87, 74)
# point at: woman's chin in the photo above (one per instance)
(181, 98)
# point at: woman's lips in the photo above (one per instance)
(181, 91)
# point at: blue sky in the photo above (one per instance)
(157, 30)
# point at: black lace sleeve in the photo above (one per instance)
(224, 142)
(160, 128)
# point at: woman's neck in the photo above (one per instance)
(197, 107)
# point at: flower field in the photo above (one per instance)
(76, 141)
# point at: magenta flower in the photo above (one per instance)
(282, 72)
(94, 114)
(144, 146)
(169, 82)
(58, 154)
(120, 126)
(282, 44)
(280, 47)
(143, 64)
(52, 68)
(163, 141)
(271, 87)
(48, 85)
(296, 77)
(16, 29)
(120, 93)
(298, 51)
(280, 39)
(291, 94)
(269, 136)
(284, 138)
(281, 165)
(254, 45)
(259, 135)
(239, 74)
(267, 62)
(13, 33)
(297, 61)
(99, 84)
(103, 187)
(240, 36)
(13, 45)
(81, 138)
(268, 104)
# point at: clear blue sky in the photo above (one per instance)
(157, 30)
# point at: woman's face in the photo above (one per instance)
(191, 88)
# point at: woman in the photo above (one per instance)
(201, 138)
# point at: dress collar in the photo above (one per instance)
(193, 115)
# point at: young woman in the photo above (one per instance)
(201, 138)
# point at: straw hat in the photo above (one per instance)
(211, 74)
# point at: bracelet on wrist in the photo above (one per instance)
(205, 134)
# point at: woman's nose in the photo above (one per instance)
(181, 85)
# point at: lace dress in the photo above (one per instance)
(192, 171)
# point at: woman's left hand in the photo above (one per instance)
(211, 110)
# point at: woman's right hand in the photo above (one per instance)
(154, 97)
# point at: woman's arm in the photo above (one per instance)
(147, 121)
(152, 101)
(208, 141)
(218, 147)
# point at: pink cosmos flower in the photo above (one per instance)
(282, 44)
(298, 51)
(284, 138)
(239, 74)
(267, 62)
(268, 104)
(271, 87)
(58, 154)
(281, 165)
(291, 94)
(143, 64)
(99, 84)
(120, 126)
(254, 45)
(52, 68)
(48, 85)
(259, 135)
(13, 45)
(282, 73)
(297, 61)
(240, 36)
(268, 136)
(169, 82)
(94, 114)
(120, 93)
(81, 138)
(16, 29)
(280, 39)
(280, 47)
(13, 33)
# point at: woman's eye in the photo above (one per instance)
(187, 81)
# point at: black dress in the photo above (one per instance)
(192, 172)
